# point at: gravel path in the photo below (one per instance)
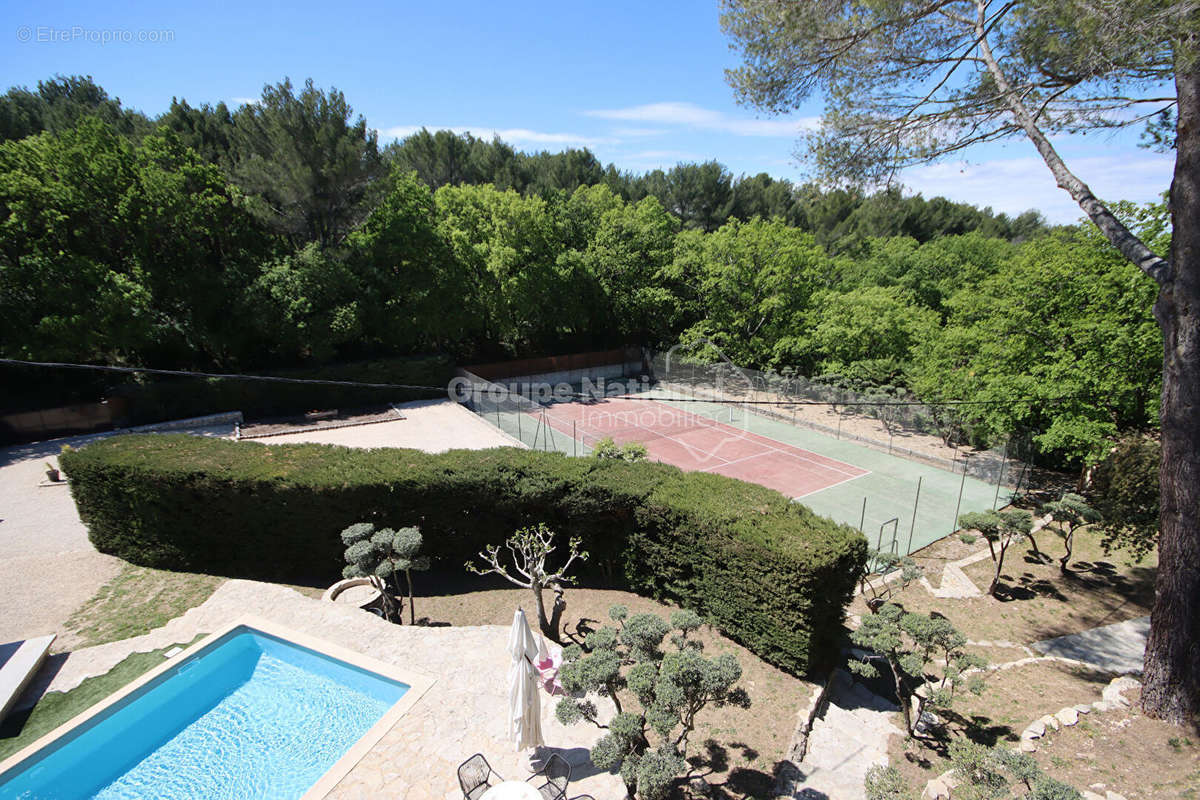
(47, 565)
(430, 425)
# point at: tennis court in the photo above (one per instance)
(696, 441)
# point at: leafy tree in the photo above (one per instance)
(1059, 340)
(206, 129)
(906, 83)
(505, 245)
(385, 553)
(754, 280)
(529, 549)
(306, 168)
(1001, 529)
(649, 747)
(915, 647)
(701, 195)
(884, 563)
(68, 287)
(369, 554)
(408, 288)
(869, 324)
(1124, 489)
(1071, 512)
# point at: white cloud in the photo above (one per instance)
(693, 116)
(510, 135)
(243, 101)
(1017, 184)
(638, 132)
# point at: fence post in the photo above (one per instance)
(958, 505)
(574, 440)
(913, 527)
(1000, 475)
(863, 519)
(520, 435)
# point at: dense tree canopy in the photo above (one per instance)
(279, 234)
(907, 82)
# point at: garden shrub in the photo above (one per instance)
(769, 572)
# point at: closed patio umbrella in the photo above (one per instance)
(524, 705)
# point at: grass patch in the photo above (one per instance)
(135, 602)
(22, 728)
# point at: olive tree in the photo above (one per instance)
(660, 665)
(529, 550)
(907, 82)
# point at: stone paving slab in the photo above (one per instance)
(462, 714)
(1118, 648)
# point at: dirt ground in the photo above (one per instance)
(1126, 751)
(1035, 600)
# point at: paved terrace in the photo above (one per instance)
(47, 565)
(462, 714)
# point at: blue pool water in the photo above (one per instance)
(251, 716)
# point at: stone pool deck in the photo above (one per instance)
(462, 714)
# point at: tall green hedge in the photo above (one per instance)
(768, 572)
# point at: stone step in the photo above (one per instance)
(19, 661)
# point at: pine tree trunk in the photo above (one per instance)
(1171, 688)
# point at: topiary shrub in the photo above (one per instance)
(769, 572)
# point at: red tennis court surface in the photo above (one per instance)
(695, 442)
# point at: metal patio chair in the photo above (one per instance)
(476, 776)
(556, 773)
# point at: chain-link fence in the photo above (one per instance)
(919, 476)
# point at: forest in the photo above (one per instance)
(283, 234)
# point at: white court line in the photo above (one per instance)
(830, 486)
(759, 440)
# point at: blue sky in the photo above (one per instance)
(640, 83)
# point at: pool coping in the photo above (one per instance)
(418, 684)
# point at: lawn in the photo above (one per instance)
(135, 602)
(22, 728)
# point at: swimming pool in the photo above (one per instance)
(248, 713)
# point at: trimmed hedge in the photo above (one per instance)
(768, 572)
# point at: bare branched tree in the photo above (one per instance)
(529, 550)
